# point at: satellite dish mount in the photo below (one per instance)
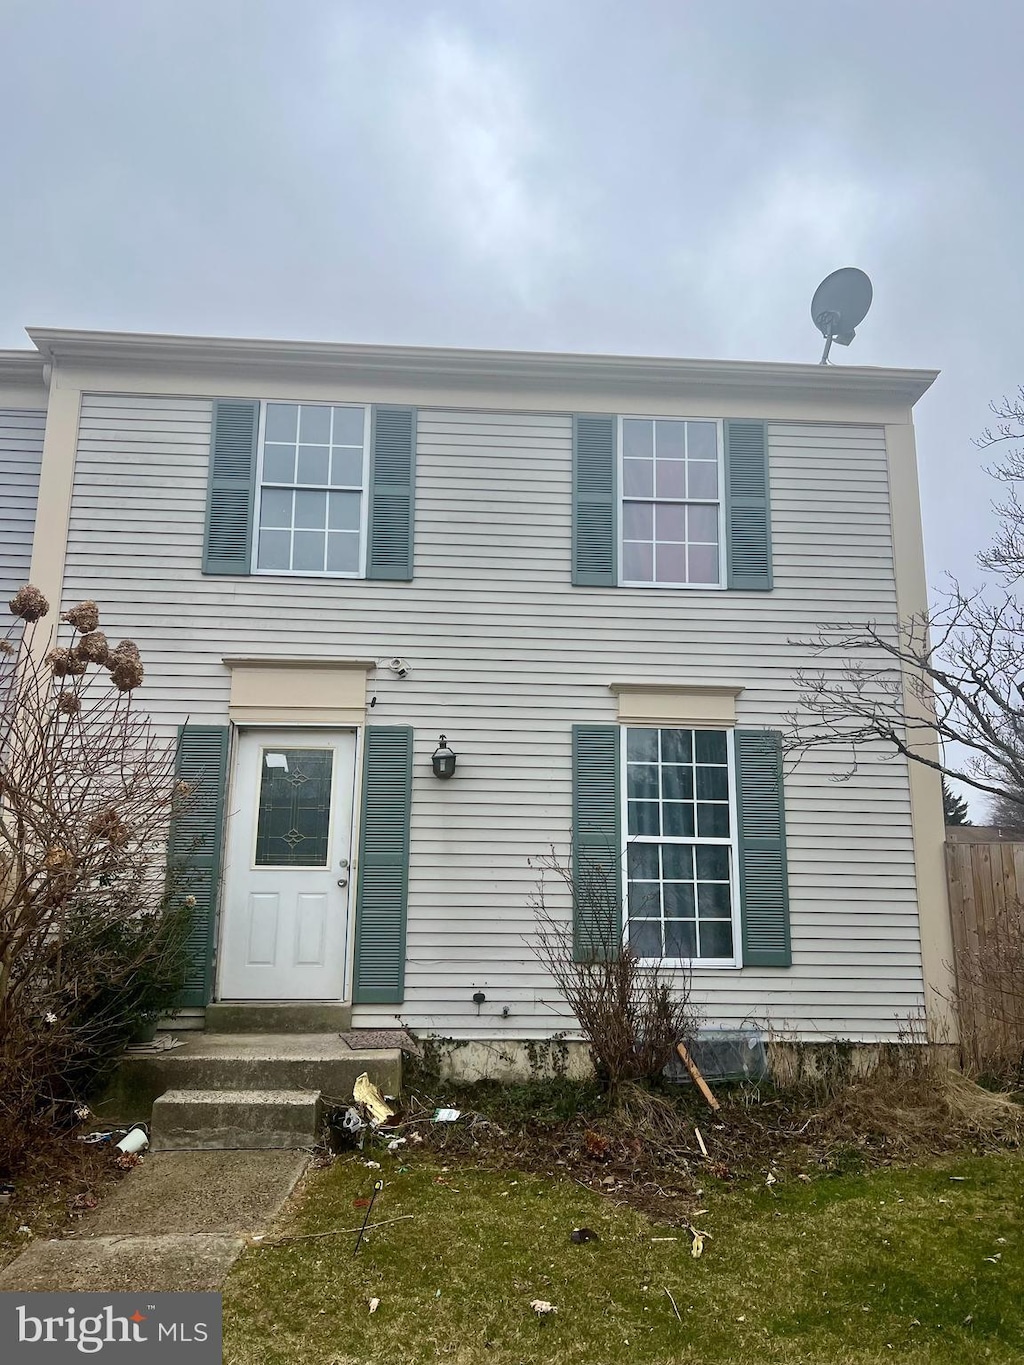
(840, 305)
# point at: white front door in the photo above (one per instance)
(284, 921)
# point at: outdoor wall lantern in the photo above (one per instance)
(443, 761)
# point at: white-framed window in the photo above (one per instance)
(679, 809)
(311, 490)
(671, 511)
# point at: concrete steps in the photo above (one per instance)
(321, 1064)
(209, 1120)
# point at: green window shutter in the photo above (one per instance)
(748, 511)
(596, 842)
(382, 894)
(232, 484)
(764, 889)
(194, 847)
(594, 483)
(392, 493)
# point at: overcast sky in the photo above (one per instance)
(661, 176)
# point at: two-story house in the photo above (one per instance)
(590, 574)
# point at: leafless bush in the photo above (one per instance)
(91, 937)
(631, 1011)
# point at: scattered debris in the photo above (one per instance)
(540, 1306)
(697, 1244)
(596, 1145)
(579, 1235)
(698, 1079)
(395, 1143)
(700, 1142)
(664, 1239)
(377, 1187)
(372, 1165)
(135, 1140)
(331, 1232)
(994, 1259)
(6, 1191)
(364, 1092)
(446, 1115)
(350, 1126)
(771, 1178)
(673, 1303)
(374, 1305)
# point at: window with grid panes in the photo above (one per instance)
(311, 491)
(679, 858)
(671, 502)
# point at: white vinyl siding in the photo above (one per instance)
(505, 655)
(21, 453)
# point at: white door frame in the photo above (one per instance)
(271, 733)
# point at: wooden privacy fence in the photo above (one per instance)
(985, 871)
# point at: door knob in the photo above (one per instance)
(343, 881)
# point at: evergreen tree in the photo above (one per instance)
(955, 807)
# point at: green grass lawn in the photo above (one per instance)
(910, 1265)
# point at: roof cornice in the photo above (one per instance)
(147, 352)
(22, 366)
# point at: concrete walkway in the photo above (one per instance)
(178, 1221)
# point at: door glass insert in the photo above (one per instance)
(294, 815)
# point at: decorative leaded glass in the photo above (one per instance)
(294, 817)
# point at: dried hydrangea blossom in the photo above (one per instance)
(58, 858)
(183, 789)
(6, 647)
(107, 824)
(64, 663)
(126, 673)
(190, 902)
(93, 647)
(84, 617)
(29, 603)
(68, 704)
(125, 649)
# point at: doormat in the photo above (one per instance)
(362, 1038)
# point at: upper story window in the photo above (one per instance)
(672, 511)
(678, 792)
(311, 490)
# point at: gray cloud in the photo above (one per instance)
(574, 174)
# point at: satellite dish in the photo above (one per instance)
(840, 305)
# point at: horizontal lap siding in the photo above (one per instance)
(21, 453)
(504, 656)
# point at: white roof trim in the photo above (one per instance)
(150, 351)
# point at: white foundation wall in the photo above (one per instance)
(505, 655)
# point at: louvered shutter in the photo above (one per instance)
(194, 847)
(232, 482)
(392, 493)
(596, 852)
(748, 518)
(593, 501)
(764, 890)
(383, 873)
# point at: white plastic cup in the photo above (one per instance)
(135, 1140)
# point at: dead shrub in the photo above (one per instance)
(92, 939)
(631, 1012)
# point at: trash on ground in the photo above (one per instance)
(364, 1092)
(446, 1115)
(697, 1245)
(6, 1191)
(135, 1140)
(771, 1178)
(700, 1142)
(95, 1138)
(541, 1306)
(579, 1235)
(395, 1143)
(698, 1079)
(372, 1165)
(374, 1305)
